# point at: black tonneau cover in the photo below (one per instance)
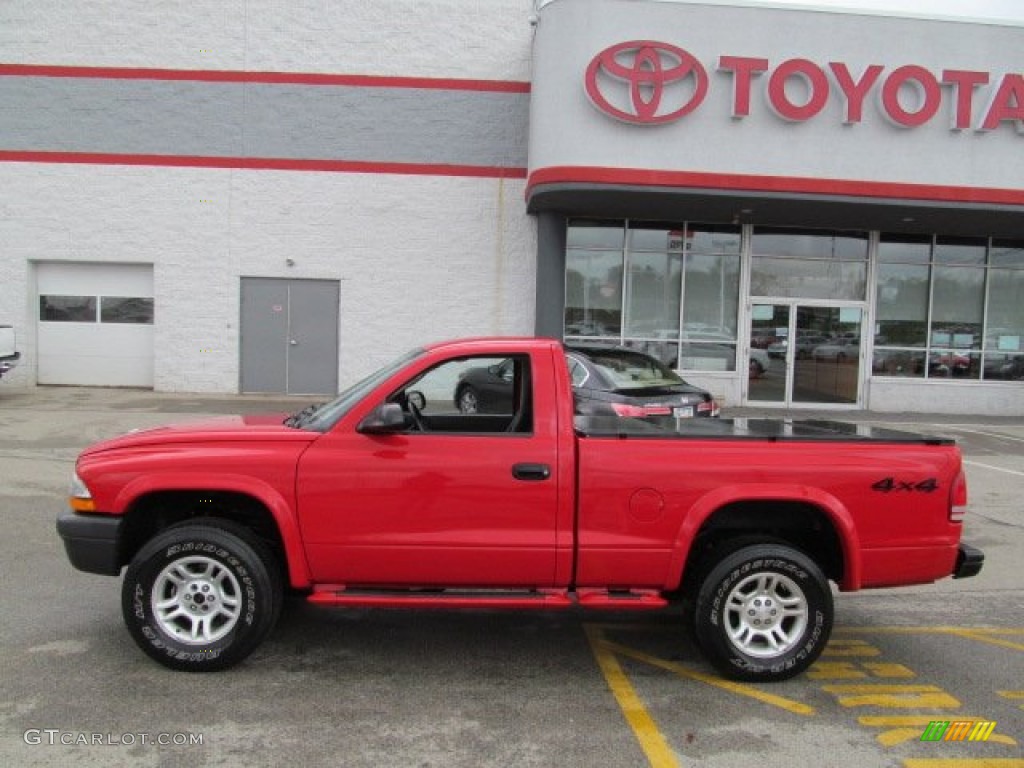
(771, 430)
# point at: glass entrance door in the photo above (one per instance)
(804, 354)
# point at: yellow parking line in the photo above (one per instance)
(989, 635)
(1013, 696)
(892, 696)
(984, 638)
(937, 630)
(887, 669)
(796, 707)
(835, 670)
(964, 762)
(653, 743)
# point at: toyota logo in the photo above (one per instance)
(645, 82)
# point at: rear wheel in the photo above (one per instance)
(763, 613)
(201, 595)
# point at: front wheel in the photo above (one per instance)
(764, 613)
(201, 596)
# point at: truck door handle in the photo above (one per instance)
(531, 471)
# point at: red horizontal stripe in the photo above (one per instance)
(300, 78)
(791, 184)
(265, 163)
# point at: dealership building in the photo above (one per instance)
(792, 207)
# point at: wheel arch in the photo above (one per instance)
(808, 519)
(160, 504)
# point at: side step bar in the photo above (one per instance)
(338, 595)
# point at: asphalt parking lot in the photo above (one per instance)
(378, 688)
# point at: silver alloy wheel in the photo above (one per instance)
(196, 600)
(765, 615)
(468, 402)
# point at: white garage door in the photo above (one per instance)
(95, 324)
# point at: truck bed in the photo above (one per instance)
(754, 429)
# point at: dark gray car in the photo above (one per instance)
(606, 380)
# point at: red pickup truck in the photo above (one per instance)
(390, 496)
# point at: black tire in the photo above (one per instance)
(764, 613)
(221, 592)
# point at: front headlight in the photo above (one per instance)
(80, 497)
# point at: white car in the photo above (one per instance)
(9, 355)
(838, 350)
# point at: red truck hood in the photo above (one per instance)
(261, 427)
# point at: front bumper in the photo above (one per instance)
(968, 562)
(93, 542)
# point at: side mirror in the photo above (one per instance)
(385, 419)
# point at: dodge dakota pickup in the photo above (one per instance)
(391, 496)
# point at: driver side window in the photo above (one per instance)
(474, 395)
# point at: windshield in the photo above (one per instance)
(322, 418)
(631, 370)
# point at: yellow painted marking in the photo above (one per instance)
(964, 762)
(926, 631)
(850, 647)
(796, 707)
(999, 738)
(1013, 695)
(852, 670)
(866, 652)
(893, 696)
(988, 635)
(652, 742)
(846, 642)
(888, 670)
(903, 728)
(984, 638)
(835, 670)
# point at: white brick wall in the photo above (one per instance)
(488, 39)
(420, 258)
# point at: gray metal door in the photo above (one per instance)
(289, 336)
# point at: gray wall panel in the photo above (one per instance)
(551, 233)
(120, 116)
(261, 120)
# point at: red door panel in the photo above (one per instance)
(428, 509)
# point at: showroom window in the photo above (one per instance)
(670, 289)
(809, 264)
(949, 308)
